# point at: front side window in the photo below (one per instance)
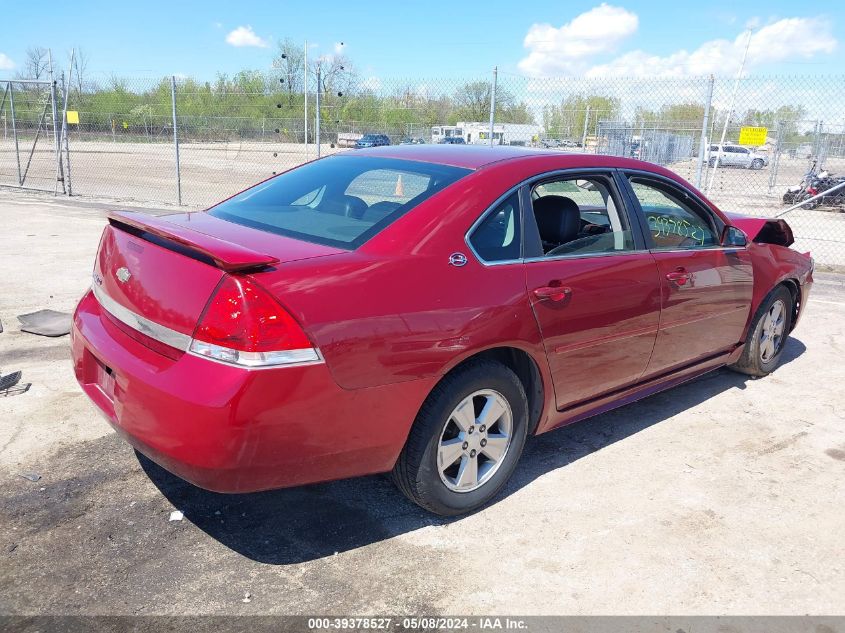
(580, 216)
(499, 238)
(340, 201)
(675, 221)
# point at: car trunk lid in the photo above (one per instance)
(165, 269)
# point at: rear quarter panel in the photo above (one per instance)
(396, 310)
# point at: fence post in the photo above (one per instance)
(317, 127)
(15, 130)
(493, 103)
(65, 128)
(775, 164)
(176, 141)
(60, 176)
(705, 124)
(586, 124)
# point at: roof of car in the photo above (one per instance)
(477, 156)
(457, 155)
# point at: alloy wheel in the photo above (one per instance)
(474, 440)
(771, 336)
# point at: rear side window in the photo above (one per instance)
(498, 238)
(340, 201)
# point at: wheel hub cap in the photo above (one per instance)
(474, 440)
(771, 336)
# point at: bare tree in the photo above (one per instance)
(289, 61)
(36, 63)
(337, 75)
(80, 70)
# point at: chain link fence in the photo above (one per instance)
(234, 131)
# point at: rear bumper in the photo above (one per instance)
(230, 429)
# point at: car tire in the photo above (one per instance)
(712, 162)
(767, 334)
(756, 164)
(444, 430)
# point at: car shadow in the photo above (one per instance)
(309, 522)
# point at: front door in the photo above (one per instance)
(593, 287)
(706, 288)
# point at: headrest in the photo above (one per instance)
(350, 206)
(558, 219)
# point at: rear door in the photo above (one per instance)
(593, 287)
(705, 288)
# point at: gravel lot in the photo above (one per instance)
(724, 495)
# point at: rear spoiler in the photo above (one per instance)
(225, 255)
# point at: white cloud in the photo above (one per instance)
(6, 62)
(245, 36)
(785, 39)
(338, 48)
(563, 50)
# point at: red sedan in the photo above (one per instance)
(421, 310)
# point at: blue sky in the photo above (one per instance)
(434, 39)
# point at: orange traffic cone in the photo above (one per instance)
(399, 191)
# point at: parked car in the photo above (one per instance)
(414, 140)
(452, 140)
(421, 311)
(372, 140)
(551, 143)
(738, 156)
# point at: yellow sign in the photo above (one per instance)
(753, 135)
(73, 116)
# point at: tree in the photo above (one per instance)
(688, 115)
(80, 70)
(576, 112)
(337, 75)
(290, 62)
(36, 63)
(472, 102)
(787, 116)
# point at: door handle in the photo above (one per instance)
(680, 276)
(555, 293)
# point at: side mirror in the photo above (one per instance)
(733, 236)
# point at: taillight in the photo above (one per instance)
(244, 325)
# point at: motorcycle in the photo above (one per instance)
(824, 181)
(795, 193)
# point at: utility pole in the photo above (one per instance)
(176, 140)
(702, 146)
(317, 131)
(493, 103)
(586, 124)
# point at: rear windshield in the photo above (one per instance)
(339, 201)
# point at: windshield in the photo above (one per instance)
(340, 201)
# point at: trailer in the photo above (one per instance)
(478, 133)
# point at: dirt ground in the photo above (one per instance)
(724, 495)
